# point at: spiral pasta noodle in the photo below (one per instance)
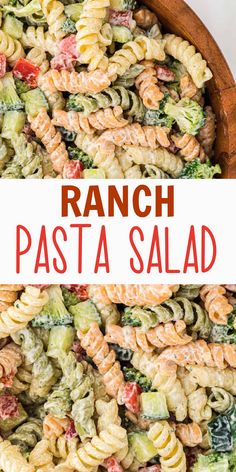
(44, 130)
(88, 36)
(186, 53)
(169, 334)
(188, 87)
(22, 379)
(216, 303)
(41, 459)
(18, 316)
(169, 448)
(147, 85)
(220, 400)
(105, 359)
(11, 459)
(213, 377)
(102, 446)
(54, 14)
(198, 409)
(189, 147)
(161, 157)
(74, 82)
(108, 312)
(100, 120)
(189, 434)
(37, 37)
(61, 447)
(8, 295)
(53, 427)
(164, 380)
(11, 47)
(201, 353)
(134, 294)
(27, 435)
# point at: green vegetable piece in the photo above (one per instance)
(69, 298)
(77, 154)
(9, 99)
(133, 375)
(54, 313)
(74, 11)
(11, 423)
(220, 432)
(138, 317)
(60, 340)
(84, 314)
(69, 26)
(153, 405)
(13, 122)
(123, 4)
(188, 114)
(13, 27)
(122, 354)
(31, 8)
(94, 174)
(121, 34)
(197, 170)
(34, 100)
(143, 448)
(211, 463)
(222, 333)
(21, 86)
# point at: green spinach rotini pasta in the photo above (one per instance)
(106, 69)
(118, 378)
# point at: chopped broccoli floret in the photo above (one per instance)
(133, 375)
(69, 298)
(54, 313)
(69, 26)
(9, 99)
(121, 353)
(211, 463)
(77, 154)
(23, 11)
(224, 334)
(137, 316)
(188, 114)
(21, 86)
(74, 102)
(200, 170)
(159, 117)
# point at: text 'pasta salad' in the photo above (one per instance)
(97, 89)
(117, 378)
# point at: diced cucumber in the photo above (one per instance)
(143, 448)
(34, 100)
(84, 314)
(74, 11)
(60, 340)
(153, 405)
(123, 4)
(10, 423)
(13, 122)
(94, 174)
(13, 27)
(121, 34)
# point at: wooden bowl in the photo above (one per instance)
(177, 17)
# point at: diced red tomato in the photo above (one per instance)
(131, 395)
(165, 74)
(3, 65)
(112, 465)
(80, 290)
(80, 353)
(63, 62)
(73, 170)
(25, 70)
(68, 46)
(152, 468)
(8, 407)
(120, 17)
(71, 432)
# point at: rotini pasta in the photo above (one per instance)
(220, 400)
(10, 360)
(147, 85)
(8, 295)
(216, 303)
(134, 294)
(198, 409)
(189, 147)
(11, 459)
(189, 434)
(184, 52)
(11, 47)
(169, 448)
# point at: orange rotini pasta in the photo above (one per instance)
(8, 295)
(216, 303)
(147, 85)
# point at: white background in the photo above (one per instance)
(219, 16)
(197, 202)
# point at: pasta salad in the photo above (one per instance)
(117, 378)
(98, 89)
